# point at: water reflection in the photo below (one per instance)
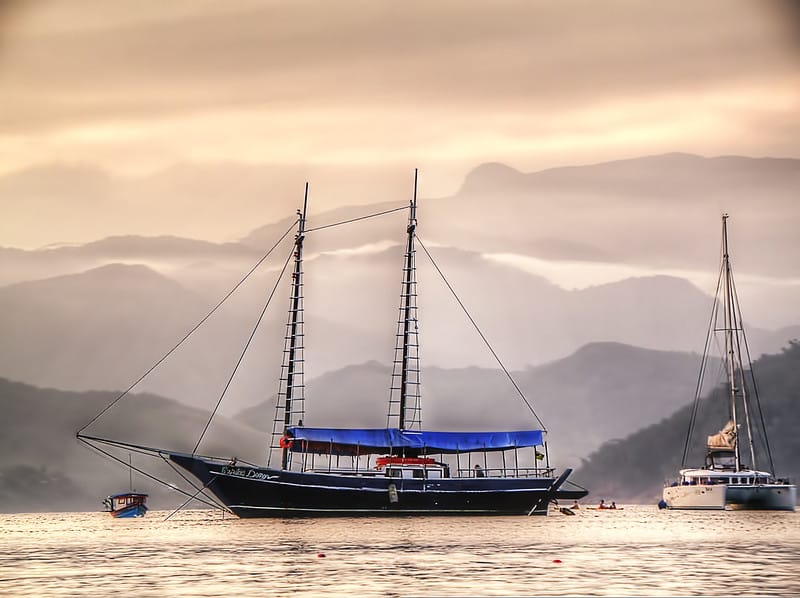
(638, 551)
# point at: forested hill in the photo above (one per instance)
(635, 468)
(44, 468)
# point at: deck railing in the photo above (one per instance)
(505, 472)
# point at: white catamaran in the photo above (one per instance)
(725, 479)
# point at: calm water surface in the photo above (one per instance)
(635, 551)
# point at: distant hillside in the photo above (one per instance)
(603, 391)
(167, 254)
(105, 327)
(620, 208)
(634, 467)
(98, 329)
(43, 467)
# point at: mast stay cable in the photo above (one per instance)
(244, 351)
(480, 333)
(703, 367)
(755, 386)
(340, 223)
(188, 334)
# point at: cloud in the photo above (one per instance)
(134, 88)
(137, 61)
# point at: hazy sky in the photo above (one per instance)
(370, 88)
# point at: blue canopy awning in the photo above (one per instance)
(391, 439)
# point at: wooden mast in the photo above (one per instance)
(408, 297)
(294, 333)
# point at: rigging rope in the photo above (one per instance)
(143, 472)
(266, 306)
(311, 230)
(244, 350)
(191, 498)
(188, 334)
(480, 333)
(753, 379)
(703, 365)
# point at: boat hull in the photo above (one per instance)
(265, 492)
(128, 512)
(767, 497)
(700, 496)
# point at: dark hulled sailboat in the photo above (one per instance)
(397, 470)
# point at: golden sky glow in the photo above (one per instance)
(138, 88)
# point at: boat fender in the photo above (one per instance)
(662, 504)
(393, 496)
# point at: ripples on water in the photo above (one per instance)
(636, 551)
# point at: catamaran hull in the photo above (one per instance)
(767, 497)
(701, 497)
(266, 492)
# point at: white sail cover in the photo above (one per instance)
(724, 439)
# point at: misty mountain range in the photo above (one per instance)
(105, 327)
(619, 413)
(98, 315)
(583, 400)
(653, 211)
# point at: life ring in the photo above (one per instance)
(286, 442)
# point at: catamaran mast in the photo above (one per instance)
(294, 331)
(733, 331)
(729, 317)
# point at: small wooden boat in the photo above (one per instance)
(128, 504)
